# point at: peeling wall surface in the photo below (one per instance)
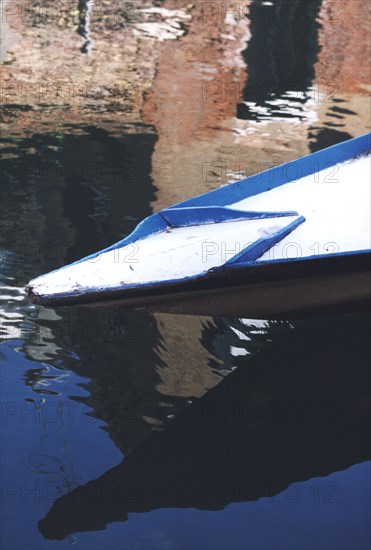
(124, 429)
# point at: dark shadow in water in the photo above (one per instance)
(119, 355)
(66, 195)
(79, 191)
(326, 137)
(297, 410)
(74, 193)
(280, 58)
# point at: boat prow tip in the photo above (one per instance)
(32, 296)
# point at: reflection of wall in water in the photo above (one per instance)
(80, 191)
(296, 411)
(141, 370)
(280, 58)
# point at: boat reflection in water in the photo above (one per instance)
(296, 410)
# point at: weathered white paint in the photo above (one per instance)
(166, 256)
(335, 203)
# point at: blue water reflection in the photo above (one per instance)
(126, 430)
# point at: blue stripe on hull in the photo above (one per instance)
(279, 175)
(234, 192)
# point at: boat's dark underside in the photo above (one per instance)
(272, 290)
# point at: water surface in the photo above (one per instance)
(122, 429)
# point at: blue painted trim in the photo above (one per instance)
(149, 226)
(156, 284)
(279, 175)
(234, 192)
(247, 187)
(250, 254)
(314, 257)
(201, 215)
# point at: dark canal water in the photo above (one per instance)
(127, 430)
